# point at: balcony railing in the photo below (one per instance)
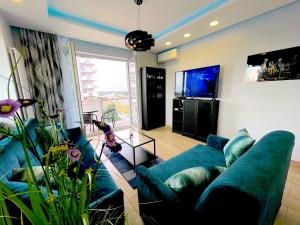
(102, 104)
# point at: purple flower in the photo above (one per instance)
(110, 137)
(74, 154)
(9, 107)
(27, 102)
(116, 147)
(102, 126)
(75, 169)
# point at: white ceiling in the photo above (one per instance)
(106, 21)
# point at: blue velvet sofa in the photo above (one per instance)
(248, 192)
(106, 193)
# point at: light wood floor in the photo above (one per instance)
(169, 144)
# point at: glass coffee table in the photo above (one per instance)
(132, 147)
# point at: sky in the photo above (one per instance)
(111, 74)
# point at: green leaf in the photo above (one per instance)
(83, 195)
(15, 200)
(36, 203)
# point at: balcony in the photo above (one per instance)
(88, 70)
(101, 104)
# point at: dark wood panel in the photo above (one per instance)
(190, 117)
(153, 97)
(199, 117)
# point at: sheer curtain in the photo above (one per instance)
(134, 92)
(72, 103)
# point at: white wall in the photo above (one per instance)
(88, 47)
(260, 107)
(146, 59)
(5, 68)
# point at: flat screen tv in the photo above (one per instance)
(200, 82)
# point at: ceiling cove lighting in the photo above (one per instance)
(17, 1)
(168, 43)
(214, 23)
(139, 40)
(187, 35)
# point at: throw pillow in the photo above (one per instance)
(191, 180)
(237, 146)
(20, 174)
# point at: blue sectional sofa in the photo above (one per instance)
(248, 192)
(106, 193)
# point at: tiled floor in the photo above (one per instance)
(169, 144)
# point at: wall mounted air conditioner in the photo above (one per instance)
(168, 55)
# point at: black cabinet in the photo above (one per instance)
(190, 118)
(199, 118)
(207, 118)
(153, 83)
(177, 116)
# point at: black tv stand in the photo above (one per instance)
(195, 118)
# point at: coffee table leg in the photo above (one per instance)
(133, 156)
(154, 148)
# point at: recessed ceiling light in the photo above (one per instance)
(187, 35)
(168, 43)
(214, 23)
(17, 1)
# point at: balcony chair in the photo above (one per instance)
(109, 116)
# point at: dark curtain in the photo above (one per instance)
(43, 68)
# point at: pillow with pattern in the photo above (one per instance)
(237, 146)
(193, 179)
(24, 175)
(20, 174)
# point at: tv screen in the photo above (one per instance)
(200, 82)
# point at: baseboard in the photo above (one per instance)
(296, 163)
(168, 125)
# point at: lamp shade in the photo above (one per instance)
(139, 40)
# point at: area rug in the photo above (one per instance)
(125, 168)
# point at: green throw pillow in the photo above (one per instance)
(193, 179)
(237, 146)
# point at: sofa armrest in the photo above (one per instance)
(151, 189)
(111, 200)
(216, 142)
(158, 204)
(109, 207)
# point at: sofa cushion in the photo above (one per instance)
(216, 142)
(237, 146)
(9, 156)
(199, 155)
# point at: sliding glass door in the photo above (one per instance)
(104, 91)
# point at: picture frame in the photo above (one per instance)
(276, 65)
